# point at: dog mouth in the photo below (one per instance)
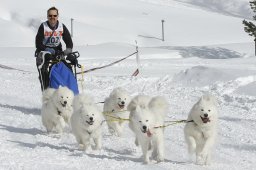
(90, 122)
(205, 119)
(121, 106)
(63, 104)
(147, 131)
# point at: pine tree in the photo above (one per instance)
(250, 28)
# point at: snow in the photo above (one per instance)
(205, 50)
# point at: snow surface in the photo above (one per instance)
(205, 50)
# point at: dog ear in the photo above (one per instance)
(131, 106)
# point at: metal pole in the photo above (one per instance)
(72, 27)
(162, 30)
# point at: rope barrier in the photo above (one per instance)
(11, 68)
(97, 68)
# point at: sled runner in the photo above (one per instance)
(58, 70)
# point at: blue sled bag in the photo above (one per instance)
(60, 74)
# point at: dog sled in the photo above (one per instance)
(58, 70)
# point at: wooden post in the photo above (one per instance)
(162, 30)
(72, 27)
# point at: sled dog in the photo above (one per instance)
(115, 105)
(86, 122)
(200, 134)
(146, 115)
(56, 108)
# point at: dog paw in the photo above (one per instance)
(146, 161)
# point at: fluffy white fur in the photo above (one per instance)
(116, 105)
(146, 113)
(86, 122)
(201, 133)
(57, 108)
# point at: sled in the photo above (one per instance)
(58, 70)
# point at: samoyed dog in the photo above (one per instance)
(146, 116)
(57, 108)
(86, 122)
(200, 131)
(115, 106)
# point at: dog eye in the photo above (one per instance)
(146, 120)
(202, 110)
(140, 121)
(119, 98)
(61, 97)
(209, 110)
(93, 114)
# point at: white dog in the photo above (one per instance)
(57, 108)
(115, 106)
(146, 116)
(200, 134)
(86, 122)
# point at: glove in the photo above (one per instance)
(51, 50)
(67, 51)
(72, 58)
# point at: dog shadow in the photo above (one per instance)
(245, 147)
(31, 131)
(119, 155)
(232, 119)
(25, 110)
(42, 144)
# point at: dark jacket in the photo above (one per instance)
(65, 36)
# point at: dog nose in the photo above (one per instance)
(144, 127)
(65, 102)
(122, 102)
(91, 118)
(205, 115)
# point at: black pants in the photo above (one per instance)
(43, 73)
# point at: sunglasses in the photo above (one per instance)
(52, 15)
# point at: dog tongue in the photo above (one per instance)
(149, 134)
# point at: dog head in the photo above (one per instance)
(63, 98)
(142, 120)
(90, 115)
(141, 117)
(120, 98)
(205, 110)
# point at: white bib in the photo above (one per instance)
(54, 41)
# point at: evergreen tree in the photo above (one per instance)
(250, 28)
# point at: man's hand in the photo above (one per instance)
(50, 50)
(67, 51)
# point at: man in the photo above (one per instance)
(48, 39)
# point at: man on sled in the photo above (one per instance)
(53, 68)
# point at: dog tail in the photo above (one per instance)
(159, 104)
(82, 100)
(47, 94)
(141, 100)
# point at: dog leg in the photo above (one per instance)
(160, 147)
(119, 130)
(60, 124)
(144, 147)
(200, 159)
(136, 141)
(98, 142)
(206, 149)
(191, 144)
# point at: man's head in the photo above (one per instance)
(52, 16)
